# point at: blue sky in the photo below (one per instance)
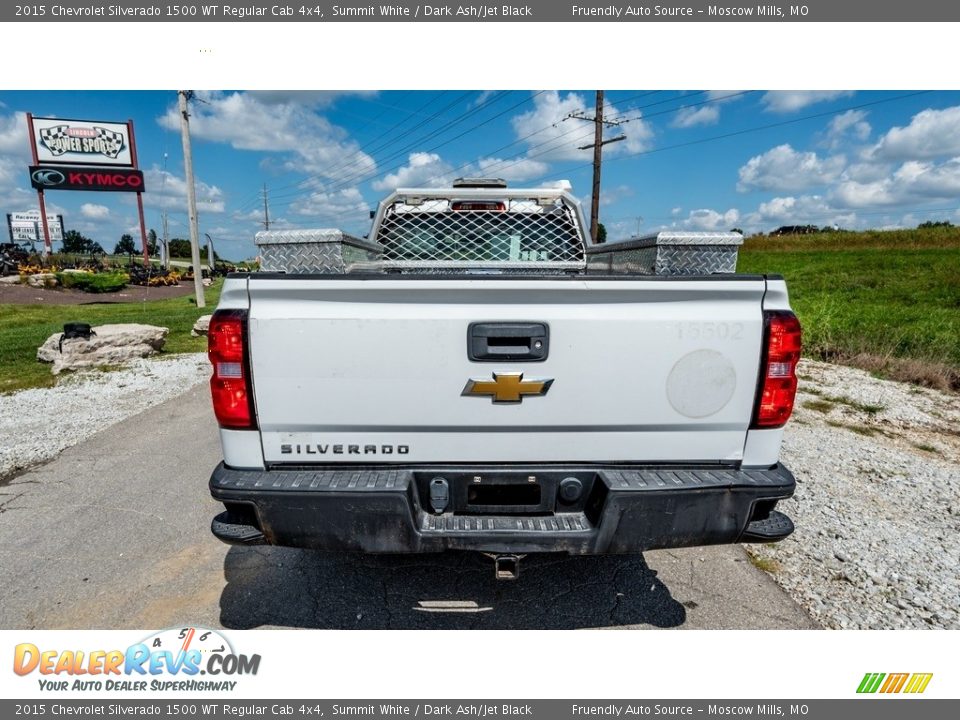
(696, 159)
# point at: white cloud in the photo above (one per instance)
(783, 168)
(516, 170)
(548, 126)
(851, 119)
(784, 209)
(691, 117)
(11, 171)
(785, 101)
(275, 123)
(803, 210)
(554, 137)
(867, 171)
(483, 97)
(609, 196)
(849, 125)
(14, 158)
(422, 170)
(914, 181)
(930, 134)
(337, 208)
(94, 212)
(168, 191)
(706, 219)
(431, 170)
(706, 114)
(14, 139)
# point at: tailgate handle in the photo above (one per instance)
(508, 341)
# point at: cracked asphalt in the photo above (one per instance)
(114, 533)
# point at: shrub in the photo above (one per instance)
(94, 282)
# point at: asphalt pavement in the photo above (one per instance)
(114, 533)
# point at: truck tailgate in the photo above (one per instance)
(349, 370)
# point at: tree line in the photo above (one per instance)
(76, 243)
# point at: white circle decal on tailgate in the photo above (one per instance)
(701, 383)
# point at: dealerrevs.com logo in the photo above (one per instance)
(179, 659)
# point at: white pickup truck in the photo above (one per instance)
(477, 375)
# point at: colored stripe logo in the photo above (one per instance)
(913, 683)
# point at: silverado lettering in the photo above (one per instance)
(305, 449)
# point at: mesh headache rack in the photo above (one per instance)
(480, 224)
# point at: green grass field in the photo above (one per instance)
(23, 328)
(885, 301)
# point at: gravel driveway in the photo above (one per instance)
(36, 425)
(877, 506)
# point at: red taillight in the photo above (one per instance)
(778, 374)
(230, 384)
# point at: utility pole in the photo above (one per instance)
(166, 242)
(598, 143)
(185, 96)
(266, 209)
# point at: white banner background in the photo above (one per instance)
(775, 664)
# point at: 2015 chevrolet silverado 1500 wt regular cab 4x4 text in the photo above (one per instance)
(478, 375)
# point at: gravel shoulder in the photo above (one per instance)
(37, 425)
(877, 506)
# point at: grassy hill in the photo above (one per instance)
(887, 301)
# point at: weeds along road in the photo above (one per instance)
(114, 533)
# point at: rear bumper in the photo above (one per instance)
(620, 509)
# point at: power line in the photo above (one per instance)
(381, 138)
(385, 144)
(373, 147)
(349, 181)
(558, 142)
(304, 184)
(745, 131)
(359, 177)
(367, 146)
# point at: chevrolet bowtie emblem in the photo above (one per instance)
(507, 387)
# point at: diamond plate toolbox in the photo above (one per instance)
(315, 251)
(668, 253)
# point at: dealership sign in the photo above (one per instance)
(60, 141)
(25, 226)
(65, 178)
(70, 154)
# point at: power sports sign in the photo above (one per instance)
(70, 154)
(62, 141)
(92, 178)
